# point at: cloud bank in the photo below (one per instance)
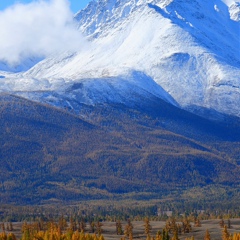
(38, 29)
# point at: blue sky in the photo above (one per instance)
(75, 4)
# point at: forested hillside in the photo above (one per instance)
(153, 150)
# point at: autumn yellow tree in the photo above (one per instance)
(207, 235)
(236, 236)
(147, 226)
(225, 234)
(119, 228)
(129, 230)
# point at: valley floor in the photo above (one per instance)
(109, 229)
(198, 232)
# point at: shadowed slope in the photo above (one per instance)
(49, 155)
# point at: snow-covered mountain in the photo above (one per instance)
(185, 52)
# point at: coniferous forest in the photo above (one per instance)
(144, 175)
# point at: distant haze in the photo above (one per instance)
(37, 29)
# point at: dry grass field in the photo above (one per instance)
(198, 232)
(109, 229)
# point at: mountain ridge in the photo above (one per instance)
(190, 49)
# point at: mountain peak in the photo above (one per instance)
(100, 12)
(190, 49)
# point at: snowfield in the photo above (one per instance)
(184, 52)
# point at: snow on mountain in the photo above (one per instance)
(235, 11)
(131, 89)
(182, 50)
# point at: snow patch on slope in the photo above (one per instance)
(129, 89)
(234, 10)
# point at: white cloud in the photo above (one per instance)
(37, 29)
